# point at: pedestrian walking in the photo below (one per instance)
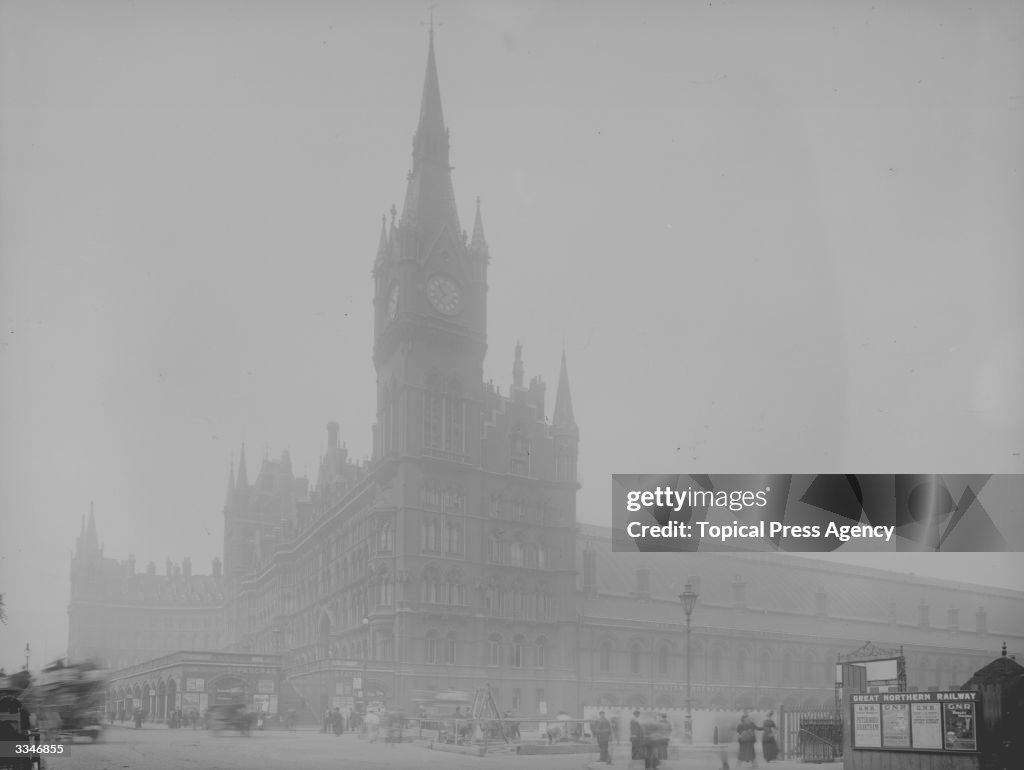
(747, 737)
(664, 731)
(769, 744)
(602, 730)
(636, 736)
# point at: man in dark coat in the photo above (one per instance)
(636, 736)
(603, 732)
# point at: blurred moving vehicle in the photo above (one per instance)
(231, 716)
(70, 699)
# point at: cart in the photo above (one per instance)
(71, 700)
(230, 716)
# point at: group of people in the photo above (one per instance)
(181, 718)
(746, 732)
(334, 721)
(648, 739)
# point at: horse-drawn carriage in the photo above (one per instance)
(230, 716)
(70, 701)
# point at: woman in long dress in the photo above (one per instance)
(747, 737)
(769, 743)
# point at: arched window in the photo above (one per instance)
(741, 663)
(451, 648)
(493, 550)
(540, 657)
(605, 655)
(386, 592)
(430, 653)
(808, 672)
(433, 420)
(787, 667)
(634, 658)
(517, 652)
(517, 555)
(454, 537)
(766, 674)
(663, 660)
(444, 420)
(430, 589)
(493, 650)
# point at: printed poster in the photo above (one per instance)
(867, 726)
(926, 725)
(959, 726)
(895, 725)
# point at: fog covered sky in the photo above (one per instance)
(773, 238)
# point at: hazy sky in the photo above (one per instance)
(774, 237)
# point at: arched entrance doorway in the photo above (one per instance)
(161, 700)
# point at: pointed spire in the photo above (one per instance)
(382, 247)
(563, 416)
(431, 125)
(90, 534)
(517, 366)
(478, 243)
(243, 476)
(231, 484)
(430, 197)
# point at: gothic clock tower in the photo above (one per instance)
(470, 519)
(430, 300)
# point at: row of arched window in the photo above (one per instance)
(638, 661)
(447, 498)
(438, 592)
(517, 604)
(438, 536)
(515, 554)
(517, 654)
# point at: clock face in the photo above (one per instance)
(444, 294)
(393, 303)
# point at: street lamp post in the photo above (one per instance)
(366, 657)
(688, 598)
(28, 651)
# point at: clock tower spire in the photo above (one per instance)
(430, 302)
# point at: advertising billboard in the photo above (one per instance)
(916, 721)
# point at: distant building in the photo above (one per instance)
(453, 558)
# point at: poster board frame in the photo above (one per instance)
(954, 715)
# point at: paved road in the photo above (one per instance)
(160, 749)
